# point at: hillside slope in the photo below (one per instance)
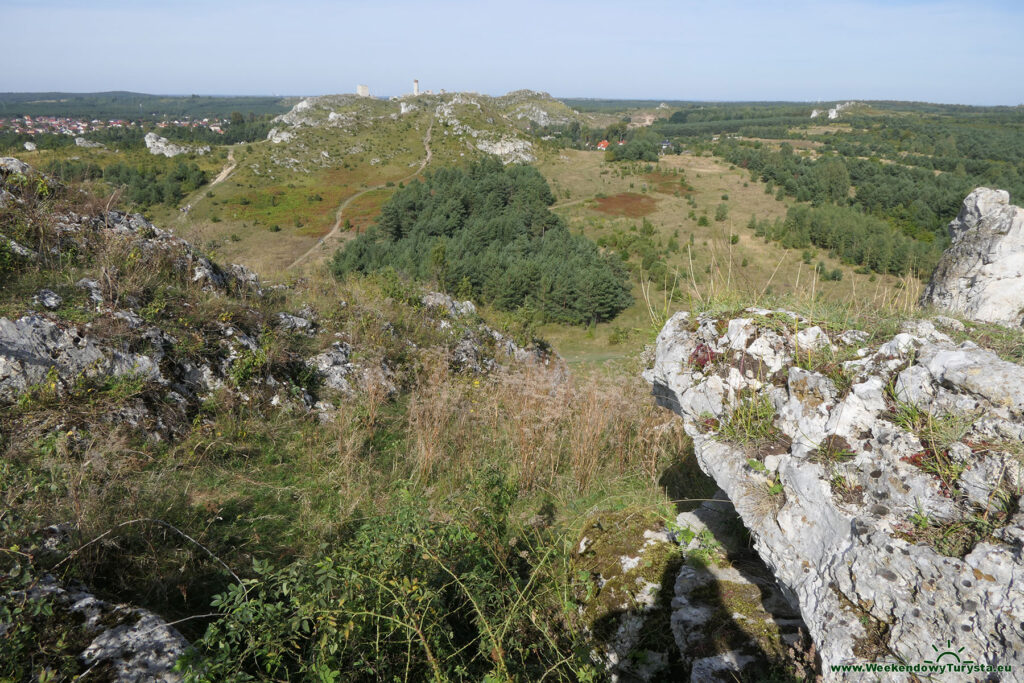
(328, 149)
(174, 428)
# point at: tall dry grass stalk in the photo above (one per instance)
(436, 417)
(554, 431)
(720, 290)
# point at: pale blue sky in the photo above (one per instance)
(939, 51)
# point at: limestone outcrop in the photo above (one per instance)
(510, 149)
(158, 145)
(881, 483)
(89, 144)
(981, 274)
(128, 644)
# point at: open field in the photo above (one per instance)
(717, 257)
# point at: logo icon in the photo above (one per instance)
(948, 655)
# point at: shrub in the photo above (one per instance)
(406, 598)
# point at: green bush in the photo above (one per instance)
(405, 598)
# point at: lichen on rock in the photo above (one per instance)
(891, 519)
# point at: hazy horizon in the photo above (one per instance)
(735, 50)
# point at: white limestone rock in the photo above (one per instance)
(129, 644)
(32, 346)
(838, 536)
(47, 298)
(334, 367)
(981, 274)
(454, 308)
(89, 144)
(278, 136)
(158, 145)
(9, 165)
(510, 149)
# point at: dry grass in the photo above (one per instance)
(556, 431)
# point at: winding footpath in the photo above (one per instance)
(229, 166)
(336, 229)
(226, 171)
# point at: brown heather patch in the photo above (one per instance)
(364, 210)
(628, 204)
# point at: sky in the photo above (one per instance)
(965, 52)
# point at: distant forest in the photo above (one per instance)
(910, 173)
(880, 183)
(130, 105)
(486, 232)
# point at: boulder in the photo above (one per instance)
(10, 165)
(82, 142)
(510, 149)
(885, 509)
(294, 323)
(334, 367)
(437, 300)
(129, 644)
(47, 299)
(33, 347)
(981, 274)
(158, 145)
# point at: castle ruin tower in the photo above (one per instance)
(363, 90)
(415, 87)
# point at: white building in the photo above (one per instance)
(363, 90)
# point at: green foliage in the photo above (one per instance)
(853, 237)
(405, 598)
(240, 130)
(491, 226)
(751, 421)
(637, 149)
(73, 170)
(42, 638)
(9, 261)
(131, 105)
(148, 185)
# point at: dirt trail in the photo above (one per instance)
(336, 229)
(226, 171)
(229, 166)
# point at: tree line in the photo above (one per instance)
(143, 185)
(486, 231)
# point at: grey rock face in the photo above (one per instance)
(136, 645)
(852, 511)
(443, 301)
(30, 146)
(47, 299)
(93, 287)
(33, 345)
(294, 323)
(334, 367)
(10, 165)
(981, 275)
(158, 145)
(16, 248)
